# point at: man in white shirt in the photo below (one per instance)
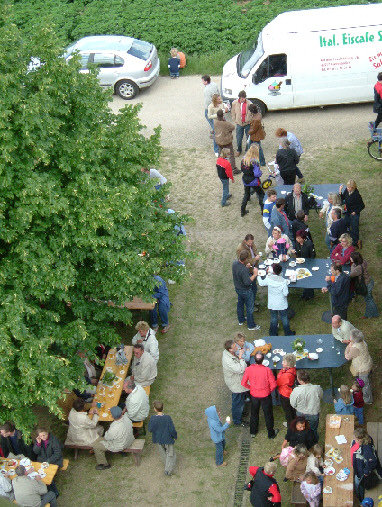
(144, 368)
(117, 438)
(146, 336)
(306, 399)
(137, 401)
(341, 329)
(154, 173)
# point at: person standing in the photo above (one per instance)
(233, 371)
(295, 144)
(306, 400)
(260, 381)
(223, 137)
(338, 285)
(353, 207)
(287, 160)
(242, 281)
(361, 362)
(297, 200)
(242, 116)
(250, 167)
(285, 383)
(377, 107)
(264, 491)
(210, 89)
(224, 170)
(279, 217)
(358, 268)
(334, 201)
(162, 306)
(277, 300)
(337, 228)
(217, 432)
(164, 434)
(256, 132)
(267, 210)
(248, 244)
(173, 63)
(213, 108)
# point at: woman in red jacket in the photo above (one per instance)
(285, 383)
(343, 250)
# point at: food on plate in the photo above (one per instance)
(328, 489)
(319, 350)
(335, 421)
(328, 463)
(300, 260)
(329, 471)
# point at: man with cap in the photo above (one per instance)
(31, 492)
(118, 437)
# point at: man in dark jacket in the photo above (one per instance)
(12, 442)
(224, 137)
(338, 284)
(164, 434)
(337, 228)
(296, 201)
(265, 491)
(242, 281)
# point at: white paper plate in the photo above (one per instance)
(25, 462)
(105, 414)
(269, 354)
(282, 353)
(262, 272)
(262, 266)
(276, 261)
(268, 262)
(315, 268)
(283, 192)
(33, 475)
(122, 372)
(265, 362)
(319, 197)
(329, 471)
(41, 473)
(276, 359)
(312, 355)
(277, 351)
(328, 463)
(327, 489)
(319, 350)
(300, 260)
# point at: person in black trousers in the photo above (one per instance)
(338, 285)
(287, 160)
(353, 207)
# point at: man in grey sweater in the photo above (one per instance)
(233, 370)
(31, 492)
(306, 399)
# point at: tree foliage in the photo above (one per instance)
(80, 224)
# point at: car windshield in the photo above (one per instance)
(140, 49)
(248, 58)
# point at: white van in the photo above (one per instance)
(309, 58)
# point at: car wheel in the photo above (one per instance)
(126, 89)
(260, 105)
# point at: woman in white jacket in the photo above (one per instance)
(82, 429)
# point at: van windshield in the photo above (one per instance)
(248, 58)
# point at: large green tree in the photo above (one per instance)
(76, 214)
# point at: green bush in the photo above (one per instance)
(194, 26)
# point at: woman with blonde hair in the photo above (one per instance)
(285, 382)
(354, 205)
(343, 250)
(361, 362)
(250, 167)
(345, 403)
(297, 461)
(365, 461)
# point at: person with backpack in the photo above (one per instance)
(365, 461)
(263, 486)
(250, 167)
(224, 170)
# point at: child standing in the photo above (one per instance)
(345, 403)
(267, 210)
(224, 170)
(315, 462)
(311, 489)
(217, 432)
(297, 461)
(174, 64)
(358, 399)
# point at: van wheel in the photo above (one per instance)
(126, 89)
(260, 105)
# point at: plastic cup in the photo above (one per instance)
(99, 404)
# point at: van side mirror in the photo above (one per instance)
(255, 79)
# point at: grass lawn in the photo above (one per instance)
(203, 317)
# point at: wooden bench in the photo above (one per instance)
(140, 424)
(65, 465)
(374, 429)
(297, 498)
(136, 449)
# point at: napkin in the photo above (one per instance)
(341, 439)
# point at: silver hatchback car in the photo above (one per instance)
(124, 63)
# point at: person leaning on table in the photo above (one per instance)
(31, 492)
(361, 362)
(341, 329)
(83, 430)
(117, 438)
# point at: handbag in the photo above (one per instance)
(370, 481)
(360, 285)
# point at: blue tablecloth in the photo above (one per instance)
(321, 190)
(317, 280)
(332, 355)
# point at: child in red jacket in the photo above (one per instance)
(224, 170)
(285, 382)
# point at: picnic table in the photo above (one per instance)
(110, 395)
(342, 492)
(50, 471)
(320, 190)
(332, 355)
(136, 304)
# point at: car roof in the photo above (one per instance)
(105, 42)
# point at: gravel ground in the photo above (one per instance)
(177, 104)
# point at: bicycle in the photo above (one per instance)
(374, 146)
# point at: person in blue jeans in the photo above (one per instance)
(224, 170)
(277, 300)
(242, 280)
(162, 305)
(217, 432)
